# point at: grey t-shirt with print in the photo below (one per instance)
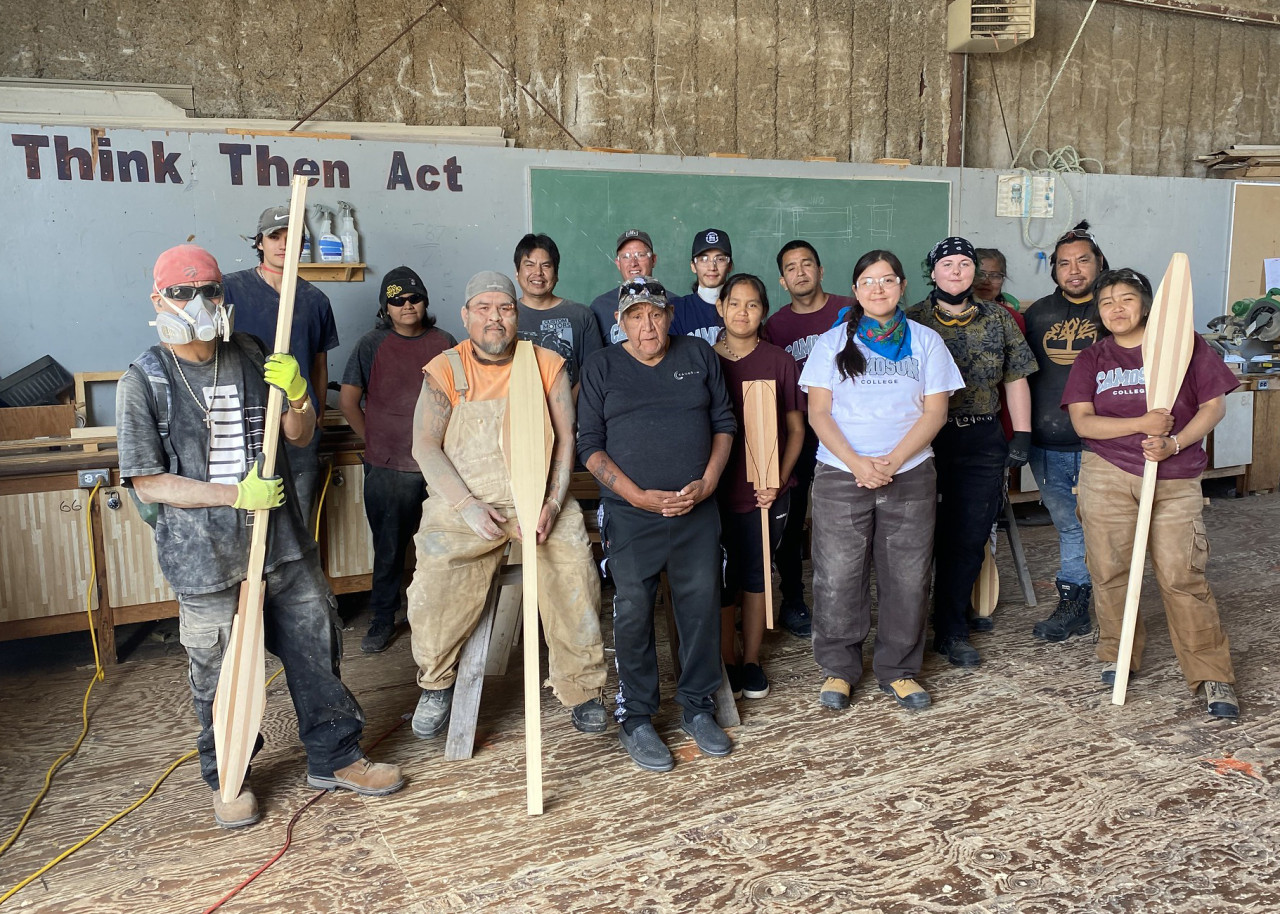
(205, 550)
(569, 330)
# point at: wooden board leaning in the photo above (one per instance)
(760, 433)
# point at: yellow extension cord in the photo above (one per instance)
(98, 676)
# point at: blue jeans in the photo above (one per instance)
(1057, 473)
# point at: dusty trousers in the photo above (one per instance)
(456, 566)
(1179, 549)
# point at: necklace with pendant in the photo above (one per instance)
(723, 346)
(207, 410)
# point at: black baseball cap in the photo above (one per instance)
(711, 240)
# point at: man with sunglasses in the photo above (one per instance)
(635, 257)
(1059, 327)
(654, 427)
(711, 262)
(256, 296)
(379, 392)
(190, 415)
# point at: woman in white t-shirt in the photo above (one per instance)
(878, 387)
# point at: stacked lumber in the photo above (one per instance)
(1243, 162)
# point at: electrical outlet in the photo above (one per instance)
(90, 478)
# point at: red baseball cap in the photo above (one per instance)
(186, 263)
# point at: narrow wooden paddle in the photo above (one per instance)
(1166, 352)
(527, 450)
(986, 589)
(760, 433)
(241, 697)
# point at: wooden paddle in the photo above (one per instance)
(986, 589)
(760, 434)
(1166, 352)
(241, 696)
(527, 449)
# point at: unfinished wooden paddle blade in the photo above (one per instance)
(240, 700)
(986, 589)
(528, 456)
(760, 432)
(1169, 335)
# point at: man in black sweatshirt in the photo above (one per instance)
(1059, 327)
(654, 428)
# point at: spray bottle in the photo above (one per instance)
(304, 255)
(330, 244)
(347, 232)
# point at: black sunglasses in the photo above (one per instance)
(638, 286)
(403, 301)
(186, 293)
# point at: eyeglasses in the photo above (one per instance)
(718, 259)
(404, 301)
(187, 293)
(883, 282)
(984, 274)
(635, 255)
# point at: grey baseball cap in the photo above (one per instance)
(490, 281)
(634, 235)
(273, 219)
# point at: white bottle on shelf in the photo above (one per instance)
(347, 233)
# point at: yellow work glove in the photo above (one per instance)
(281, 371)
(255, 493)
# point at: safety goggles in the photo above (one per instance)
(187, 293)
(1075, 235)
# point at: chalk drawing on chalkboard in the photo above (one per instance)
(881, 220)
(802, 222)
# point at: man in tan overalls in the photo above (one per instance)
(470, 516)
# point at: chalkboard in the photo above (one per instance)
(585, 211)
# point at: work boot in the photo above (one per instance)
(958, 651)
(381, 633)
(1072, 615)
(908, 693)
(369, 779)
(432, 714)
(590, 717)
(835, 693)
(240, 812)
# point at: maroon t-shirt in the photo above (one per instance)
(1110, 377)
(796, 333)
(764, 363)
(389, 369)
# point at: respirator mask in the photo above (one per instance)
(194, 315)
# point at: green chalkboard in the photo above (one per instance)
(585, 211)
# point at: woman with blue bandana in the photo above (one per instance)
(972, 454)
(878, 386)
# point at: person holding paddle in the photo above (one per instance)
(744, 356)
(1105, 398)
(878, 386)
(189, 417)
(470, 516)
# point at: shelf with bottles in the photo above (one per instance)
(332, 271)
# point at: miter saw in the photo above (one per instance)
(1247, 335)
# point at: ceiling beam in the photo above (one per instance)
(1220, 11)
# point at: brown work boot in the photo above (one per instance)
(835, 693)
(908, 693)
(240, 812)
(369, 779)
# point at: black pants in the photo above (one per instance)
(790, 555)
(971, 472)
(393, 503)
(641, 546)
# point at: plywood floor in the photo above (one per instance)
(1022, 790)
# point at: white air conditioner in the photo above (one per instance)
(988, 27)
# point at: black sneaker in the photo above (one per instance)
(646, 748)
(711, 739)
(796, 619)
(734, 672)
(379, 638)
(754, 682)
(958, 651)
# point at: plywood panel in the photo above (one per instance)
(44, 554)
(1255, 236)
(133, 574)
(350, 542)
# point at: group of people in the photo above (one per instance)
(900, 422)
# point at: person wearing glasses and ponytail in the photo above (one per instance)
(1105, 396)
(971, 452)
(379, 392)
(878, 386)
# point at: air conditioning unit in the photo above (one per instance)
(988, 27)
